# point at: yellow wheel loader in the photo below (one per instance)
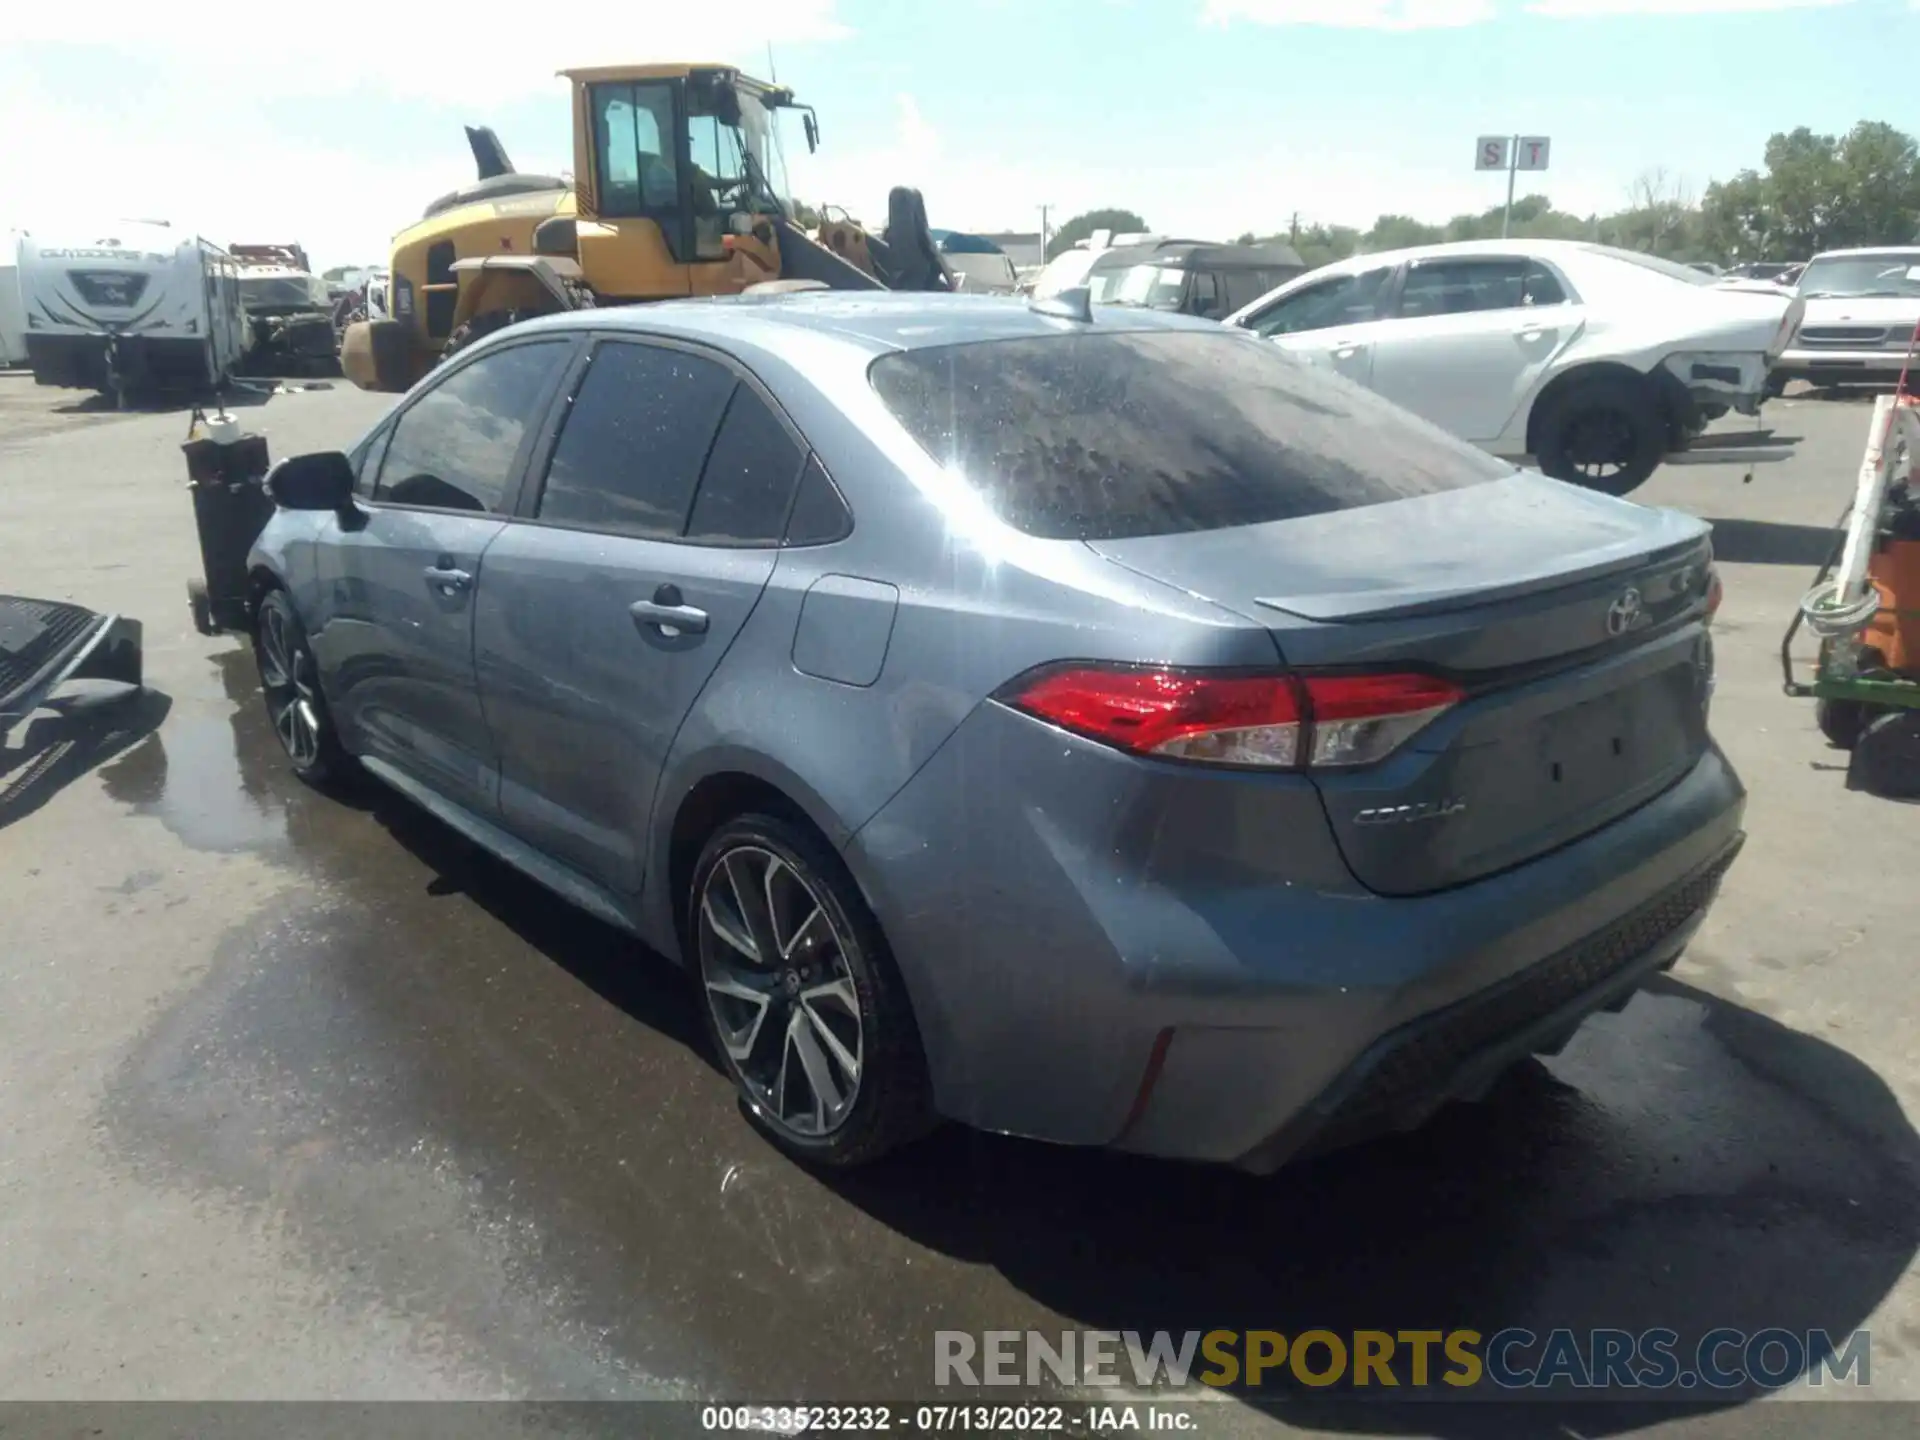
(674, 193)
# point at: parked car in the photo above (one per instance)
(1862, 307)
(983, 266)
(1069, 268)
(1244, 767)
(1780, 272)
(1190, 277)
(1597, 363)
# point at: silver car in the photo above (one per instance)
(1088, 724)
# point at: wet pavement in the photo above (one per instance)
(307, 1097)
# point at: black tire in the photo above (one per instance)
(834, 956)
(1886, 759)
(1607, 434)
(1841, 721)
(1776, 385)
(200, 606)
(290, 685)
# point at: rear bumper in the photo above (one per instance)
(82, 362)
(1841, 364)
(1456, 1052)
(1099, 952)
(44, 644)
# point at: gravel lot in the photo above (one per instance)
(303, 1099)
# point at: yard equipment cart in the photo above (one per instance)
(1865, 609)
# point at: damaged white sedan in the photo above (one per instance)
(1595, 364)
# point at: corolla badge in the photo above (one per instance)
(1411, 814)
(1624, 613)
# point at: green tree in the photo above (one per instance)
(1397, 232)
(1818, 192)
(1879, 199)
(1081, 226)
(1736, 219)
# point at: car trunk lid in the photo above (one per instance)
(1574, 623)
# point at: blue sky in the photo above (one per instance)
(1207, 116)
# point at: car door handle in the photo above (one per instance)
(669, 611)
(448, 579)
(1533, 332)
(1345, 349)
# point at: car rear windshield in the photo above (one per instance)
(1105, 436)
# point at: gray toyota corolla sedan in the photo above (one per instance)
(1103, 730)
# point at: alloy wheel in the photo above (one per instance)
(774, 966)
(286, 674)
(1600, 444)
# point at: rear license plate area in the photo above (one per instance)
(1615, 741)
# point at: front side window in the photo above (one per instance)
(365, 459)
(454, 448)
(1341, 300)
(1153, 287)
(634, 150)
(1104, 436)
(635, 439)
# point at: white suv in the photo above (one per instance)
(1596, 363)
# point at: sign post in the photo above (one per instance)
(1511, 153)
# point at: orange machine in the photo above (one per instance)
(1894, 631)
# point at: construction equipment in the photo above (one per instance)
(1865, 609)
(675, 192)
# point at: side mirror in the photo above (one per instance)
(322, 480)
(810, 127)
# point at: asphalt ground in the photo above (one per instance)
(309, 1100)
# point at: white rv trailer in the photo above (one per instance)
(13, 320)
(130, 307)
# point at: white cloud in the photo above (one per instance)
(1352, 14)
(197, 149)
(1575, 9)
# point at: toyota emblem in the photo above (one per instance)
(1623, 614)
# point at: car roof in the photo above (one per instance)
(1867, 250)
(871, 322)
(1198, 254)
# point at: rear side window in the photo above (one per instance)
(454, 448)
(635, 438)
(820, 516)
(1106, 436)
(1459, 287)
(747, 486)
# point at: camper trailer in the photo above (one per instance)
(13, 320)
(130, 308)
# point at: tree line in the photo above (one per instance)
(1813, 192)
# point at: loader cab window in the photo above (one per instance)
(634, 149)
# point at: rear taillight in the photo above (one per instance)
(1273, 721)
(1358, 719)
(1715, 593)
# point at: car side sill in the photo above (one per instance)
(569, 884)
